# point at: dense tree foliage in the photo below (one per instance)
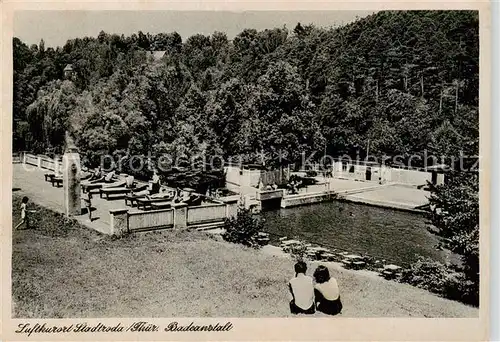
(456, 215)
(404, 81)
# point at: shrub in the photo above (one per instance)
(243, 229)
(445, 280)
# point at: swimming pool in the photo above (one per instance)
(397, 236)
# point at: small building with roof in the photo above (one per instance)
(156, 55)
(68, 71)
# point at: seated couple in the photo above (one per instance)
(308, 296)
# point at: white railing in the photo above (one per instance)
(31, 159)
(48, 164)
(206, 213)
(150, 219)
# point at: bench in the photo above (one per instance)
(49, 176)
(113, 191)
(131, 199)
(56, 181)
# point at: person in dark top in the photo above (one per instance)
(326, 292)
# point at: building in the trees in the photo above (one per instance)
(69, 71)
(156, 55)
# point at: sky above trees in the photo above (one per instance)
(31, 26)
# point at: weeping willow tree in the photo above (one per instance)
(50, 116)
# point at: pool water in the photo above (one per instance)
(396, 236)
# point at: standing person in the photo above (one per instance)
(302, 290)
(155, 183)
(129, 182)
(24, 213)
(326, 292)
(88, 204)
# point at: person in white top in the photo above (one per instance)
(326, 292)
(24, 213)
(155, 183)
(302, 290)
(129, 181)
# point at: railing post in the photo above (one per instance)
(180, 215)
(39, 162)
(118, 221)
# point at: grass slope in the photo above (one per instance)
(62, 269)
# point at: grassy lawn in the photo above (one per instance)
(61, 269)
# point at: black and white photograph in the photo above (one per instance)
(251, 164)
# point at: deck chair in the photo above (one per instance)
(145, 202)
(109, 178)
(161, 205)
(116, 184)
(136, 193)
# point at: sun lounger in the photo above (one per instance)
(85, 176)
(87, 187)
(109, 178)
(194, 200)
(145, 202)
(161, 205)
(113, 191)
(118, 184)
(56, 181)
(131, 198)
(138, 188)
(138, 192)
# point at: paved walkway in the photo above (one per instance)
(390, 195)
(393, 196)
(30, 181)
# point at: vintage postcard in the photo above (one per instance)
(245, 171)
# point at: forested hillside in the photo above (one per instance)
(404, 81)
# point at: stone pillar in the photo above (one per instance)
(180, 215)
(118, 221)
(440, 179)
(231, 207)
(246, 201)
(71, 183)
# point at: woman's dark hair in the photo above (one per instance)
(321, 275)
(25, 199)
